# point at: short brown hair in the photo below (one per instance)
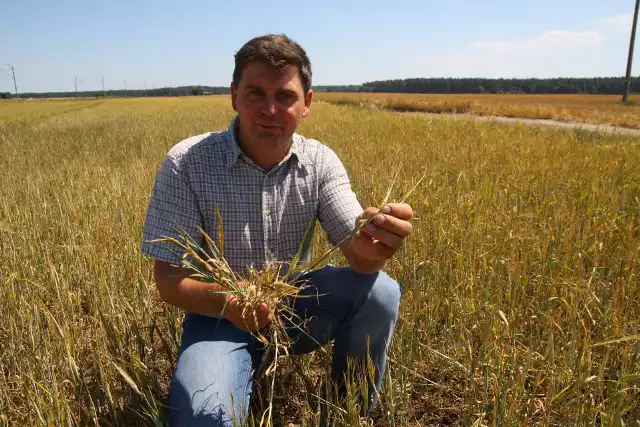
(276, 50)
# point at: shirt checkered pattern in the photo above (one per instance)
(265, 213)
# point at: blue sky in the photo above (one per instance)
(171, 43)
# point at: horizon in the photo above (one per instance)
(165, 45)
(314, 85)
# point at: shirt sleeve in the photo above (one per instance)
(172, 211)
(338, 206)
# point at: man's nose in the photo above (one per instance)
(269, 106)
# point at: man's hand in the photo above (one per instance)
(249, 319)
(380, 239)
(178, 289)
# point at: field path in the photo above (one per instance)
(541, 122)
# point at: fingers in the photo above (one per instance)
(249, 319)
(401, 211)
(257, 318)
(265, 314)
(386, 228)
(368, 213)
(370, 249)
(383, 236)
(393, 225)
(385, 233)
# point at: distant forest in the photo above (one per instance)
(595, 85)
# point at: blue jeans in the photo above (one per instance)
(213, 377)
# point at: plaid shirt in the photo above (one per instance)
(265, 213)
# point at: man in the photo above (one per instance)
(268, 183)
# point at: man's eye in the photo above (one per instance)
(285, 96)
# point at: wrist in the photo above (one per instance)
(364, 265)
(226, 306)
(368, 267)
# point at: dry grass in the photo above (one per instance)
(521, 287)
(596, 109)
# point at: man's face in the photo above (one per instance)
(270, 104)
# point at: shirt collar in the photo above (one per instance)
(233, 150)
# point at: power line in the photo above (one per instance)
(627, 82)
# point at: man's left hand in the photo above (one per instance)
(381, 238)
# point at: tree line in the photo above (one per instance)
(165, 91)
(589, 85)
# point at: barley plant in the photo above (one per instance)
(521, 286)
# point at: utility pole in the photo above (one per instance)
(125, 88)
(627, 82)
(103, 93)
(15, 85)
(75, 81)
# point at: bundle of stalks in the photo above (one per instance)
(268, 286)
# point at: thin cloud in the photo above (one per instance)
(547, 43)
(548, 54)
(620, 23)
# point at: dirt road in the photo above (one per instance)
(541, 122)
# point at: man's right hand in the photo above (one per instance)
(179, 289)
(249, 319)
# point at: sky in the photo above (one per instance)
(175, 43)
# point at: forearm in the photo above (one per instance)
(190, 295)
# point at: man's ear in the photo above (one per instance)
(307, 103)
(234, 93)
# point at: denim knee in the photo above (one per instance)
(386, 296)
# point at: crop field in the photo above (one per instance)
(595, 109)
(521, 281)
